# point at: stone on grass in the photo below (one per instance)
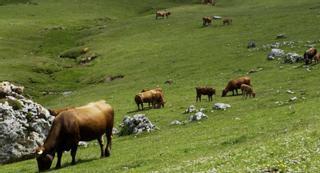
(198, 116)
(275, 53)
(221, 106)
(176, 122)
(191, 109)
(136, 124)
(293, 58)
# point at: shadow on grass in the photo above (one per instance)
(65, 165)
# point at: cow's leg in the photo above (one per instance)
(233, 92)
(101, 146)
(108, 146)
(73, 154)
(200, 97)
(237, 91)
(59, 153)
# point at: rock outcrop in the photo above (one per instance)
(24, 124)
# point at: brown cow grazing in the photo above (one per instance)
(162, 14)
(247, 91)
(234, 85)
(150, 96)
(84, 123)
(205, 91)
(317, 58)
(227, 21)
(309, 55)
(206, 21)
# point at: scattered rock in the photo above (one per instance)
(83, 144)
(251, 44)
(111, 78)
(170, 81)
(190, 109)
(221, 106)
(275, 53)
(198, 116)
(55, 28)
(293, 58)
(255, 70)
(176, 122)
(136, 125)
(66, 93)
(292, 99)
(86, 58)
(24, 124)
(281, 36)
(115, 131)
(290, 92)
(216, 17)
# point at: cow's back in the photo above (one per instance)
(94, 119)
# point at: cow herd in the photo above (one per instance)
(92, 121)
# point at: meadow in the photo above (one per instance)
(265, 133)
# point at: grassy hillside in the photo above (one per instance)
(254, 135)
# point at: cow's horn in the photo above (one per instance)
(40, 152)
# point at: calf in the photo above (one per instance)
(309, 55)
(247, 91)
(206, 21)
(227, 21)
(162, 14)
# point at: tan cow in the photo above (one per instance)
(84, 123)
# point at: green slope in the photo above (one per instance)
(255, 134)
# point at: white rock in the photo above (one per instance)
(221, 106)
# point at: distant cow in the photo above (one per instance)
(205, 91)
(84, 123)
(234, 85)
(226, 21)
(150, 96)
(207, 20)
(162, 14)
(309, 55)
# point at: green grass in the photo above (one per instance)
(253, 135)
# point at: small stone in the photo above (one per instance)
(221, 106)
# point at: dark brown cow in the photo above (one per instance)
(227, 21)
(84, 123)
(205, 91)
(309, 55)
(206, 21)
(162, 14)
(234, 85)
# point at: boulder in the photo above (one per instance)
(293, 58)
(24, 124)
(221, 106)
(136, 124)
(251, 44)
(197, 116)
(275, 53)
(190, 109)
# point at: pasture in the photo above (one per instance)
(264, 133)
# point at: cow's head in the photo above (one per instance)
(44, 159)
(224, 92)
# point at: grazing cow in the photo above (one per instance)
(162, 14)
(207, 20)
(247, 91)
(234, 85)
(150, 96)
(205, 91)
(317, 58)
(227, 21)
(84, 123)
(309, 55)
